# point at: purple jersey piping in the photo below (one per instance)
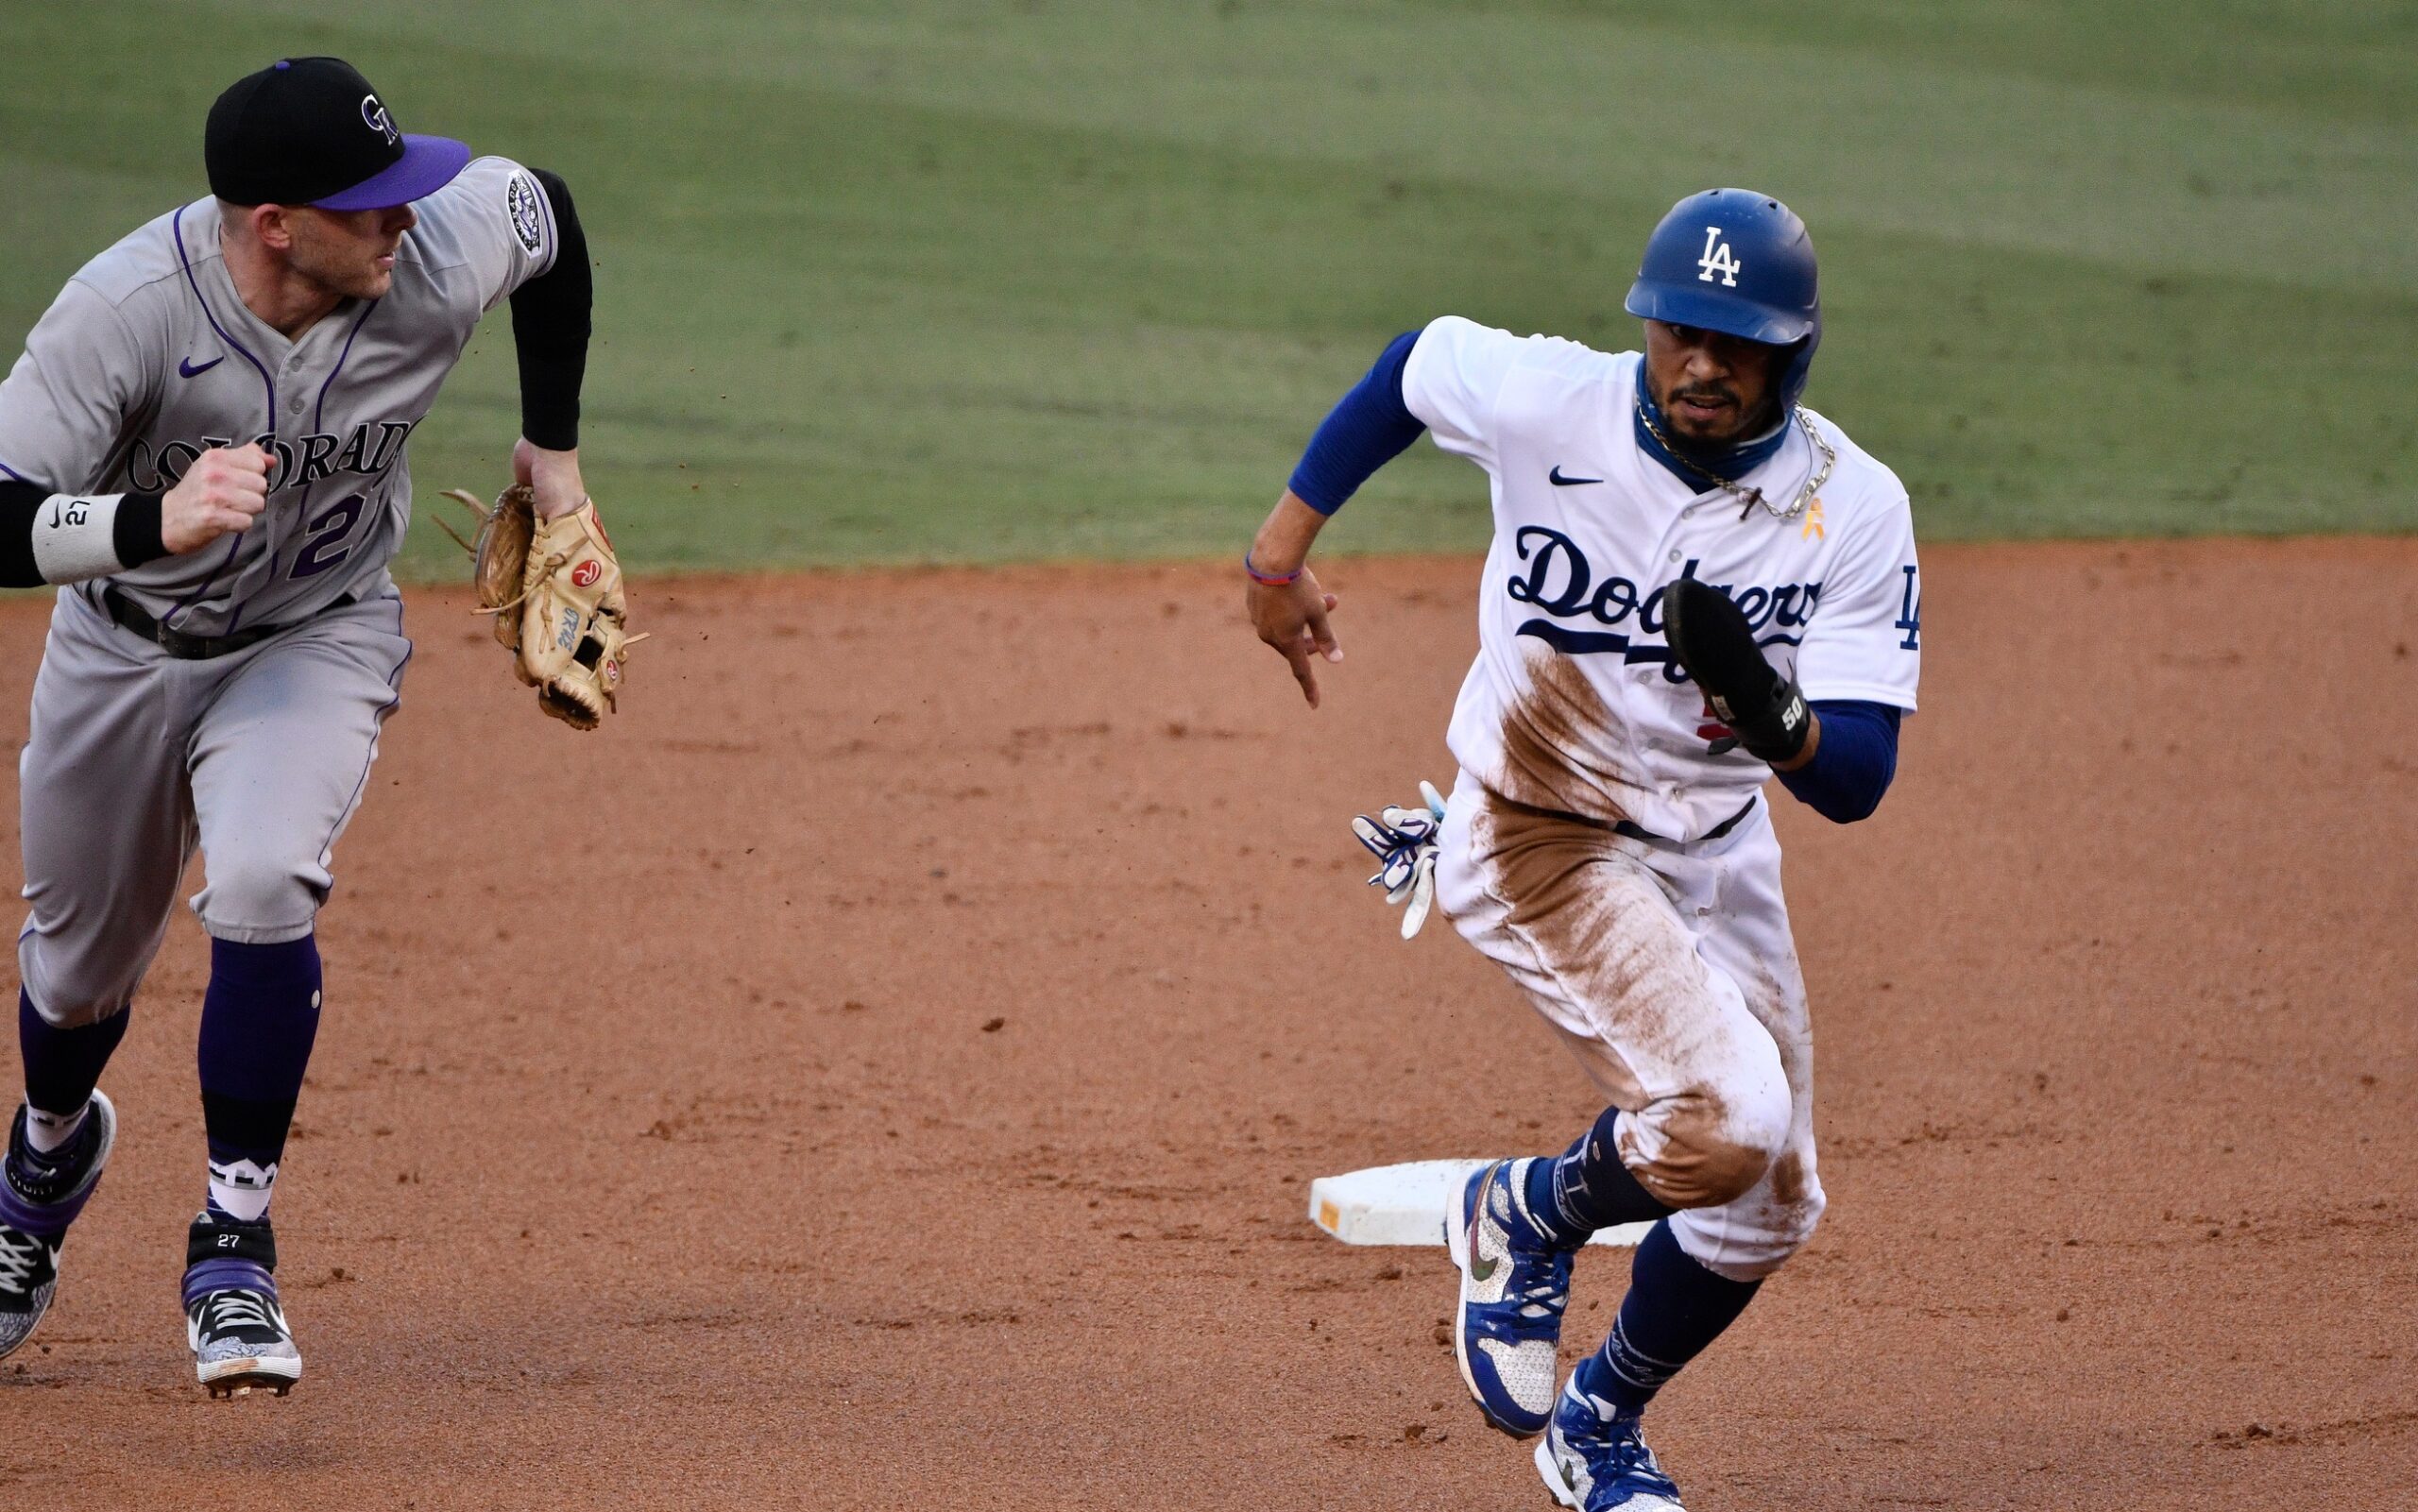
(318, 413)
(318, 409)
(394, 681)
(14, 473)
(177, 228)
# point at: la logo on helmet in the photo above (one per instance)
(374, 115)
(1717, 259)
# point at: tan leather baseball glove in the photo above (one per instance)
(554, 588)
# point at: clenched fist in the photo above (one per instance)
(224, 490)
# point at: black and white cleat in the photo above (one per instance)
(241, 1343)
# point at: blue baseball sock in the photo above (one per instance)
(62, 1066)
(1587, 1188)
(258, 1020)
(1675, 1308)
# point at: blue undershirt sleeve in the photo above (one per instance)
(1851, 768)
(1367, 428)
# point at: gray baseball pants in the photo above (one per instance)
(134, 758)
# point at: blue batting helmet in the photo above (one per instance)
(1740, 263)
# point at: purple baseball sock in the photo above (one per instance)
(62, 1066)
(258, 1022)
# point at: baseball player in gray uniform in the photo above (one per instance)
(204, 444)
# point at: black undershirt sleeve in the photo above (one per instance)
(136, 529)
(18, 503)
(135, 532)
(550, 329)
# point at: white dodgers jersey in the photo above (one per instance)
(1575, 703)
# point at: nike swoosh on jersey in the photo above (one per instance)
(185, 368)
(1559, 481)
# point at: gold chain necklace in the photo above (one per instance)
(1755, 496)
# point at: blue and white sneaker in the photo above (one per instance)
(39, 1198)
(1596, 1460)
(1515, 1282)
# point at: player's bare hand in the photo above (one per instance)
(1293, 617)
(221, 493)
(554, 474)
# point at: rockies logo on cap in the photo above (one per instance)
(292, 134)
(375, 116)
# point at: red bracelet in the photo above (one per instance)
(1266, 579)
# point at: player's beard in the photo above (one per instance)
(342, 264)
(1753, 422)
(356, 275)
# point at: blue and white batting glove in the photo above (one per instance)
(1404, 841)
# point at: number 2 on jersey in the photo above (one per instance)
(328, 545)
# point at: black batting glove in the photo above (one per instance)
(1710, 637)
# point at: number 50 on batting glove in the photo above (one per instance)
(1404, 841)
(1710, 636)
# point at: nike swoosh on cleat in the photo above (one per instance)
(1481, 1268)
(185, 368)
(1560, 481)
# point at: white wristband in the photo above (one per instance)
(75, 536)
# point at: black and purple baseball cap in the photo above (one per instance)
(312, 132)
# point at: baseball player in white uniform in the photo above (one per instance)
(1694, 583)
(204, 443)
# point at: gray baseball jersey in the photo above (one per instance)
(148, 356)
(259, 756)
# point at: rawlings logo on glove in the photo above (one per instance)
(554, 588)
(1404, 841)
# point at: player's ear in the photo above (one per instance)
(272, 227)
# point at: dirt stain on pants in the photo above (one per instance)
(1669, 972)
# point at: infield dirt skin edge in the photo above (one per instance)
(883, 1069)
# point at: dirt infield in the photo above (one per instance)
(983, 973)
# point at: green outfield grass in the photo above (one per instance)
(1060, 277)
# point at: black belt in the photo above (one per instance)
(1623, 829)
(128, 616)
